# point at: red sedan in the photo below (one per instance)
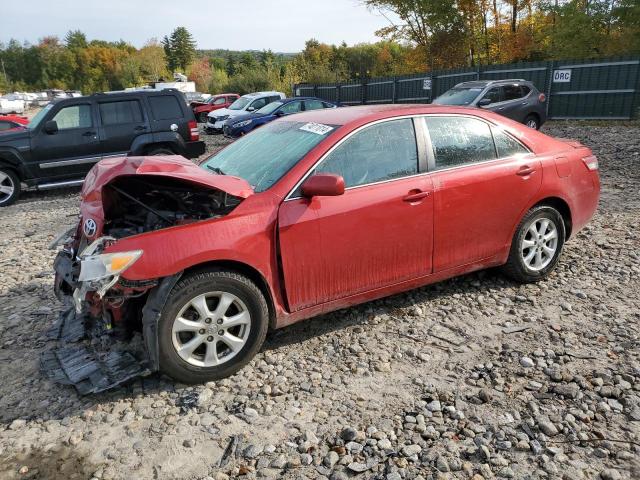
(216, 102)
(312, 213)
(12, 122)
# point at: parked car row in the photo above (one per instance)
(315, 211)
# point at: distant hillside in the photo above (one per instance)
(223, 53)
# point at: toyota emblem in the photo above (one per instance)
(90, 228)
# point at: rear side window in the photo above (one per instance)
(116, 113)
(75, 116)
(165, 107)
(380, 152)
(507, 146)
(524, 90)
(220, 101)
(313, 104)
(511, 92)
(459, 141)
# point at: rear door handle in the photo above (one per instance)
(415, 197)
(140, 128)
(525, 170)
(88, 134)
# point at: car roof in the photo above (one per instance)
(261, 94)
(484, 83)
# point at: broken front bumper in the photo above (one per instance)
(89, 353)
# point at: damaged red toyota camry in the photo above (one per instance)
(309, 214)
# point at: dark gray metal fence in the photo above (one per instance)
(581, 89)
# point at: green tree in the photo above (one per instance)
(75, 39)
(180, 49)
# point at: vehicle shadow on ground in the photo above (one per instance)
(395, 306)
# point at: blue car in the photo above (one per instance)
(243, 124)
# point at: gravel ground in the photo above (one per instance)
(475, 377)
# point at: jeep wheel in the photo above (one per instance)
(203, 117)
(212, 325)
(160, 151)
(9, 187)
(536, 245)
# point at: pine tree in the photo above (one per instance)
(179, 48)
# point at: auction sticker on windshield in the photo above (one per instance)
(318, 128)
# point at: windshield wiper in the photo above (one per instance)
(215, 169)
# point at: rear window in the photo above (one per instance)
(165, 107)
(116, 113)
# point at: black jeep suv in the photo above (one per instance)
(66, 138)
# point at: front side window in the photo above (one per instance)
(258, 104)
(507, 146)
(240, 103)
(165, 107)
(269, 108)
(459, 141)
(380, 152)
(493, 95)
(118, 113)
(263, 157)
(291, 107)
(75, 116)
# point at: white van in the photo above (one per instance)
(245, 104)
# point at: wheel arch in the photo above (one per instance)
(243, 269)
(563, 207)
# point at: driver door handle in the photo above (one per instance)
(139, 128)
(416, 197)
(525, 170)
(88, 134)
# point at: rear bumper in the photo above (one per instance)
(194, 149)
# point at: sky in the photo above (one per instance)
(279, 25)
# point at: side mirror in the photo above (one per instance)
(51, 127)
(250, 109)
(484, 102)
(323, 185)
(279, 113)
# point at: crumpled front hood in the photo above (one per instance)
(174, 166)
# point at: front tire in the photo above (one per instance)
(9, 187)
(213, 324)
(536, 246)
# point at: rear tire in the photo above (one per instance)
(536, 246)
(532, 121)
(203, 117)
(212, 325)
(160, 151)
(9, 187)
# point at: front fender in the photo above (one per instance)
(10, 157)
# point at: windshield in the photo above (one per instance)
(240, 103)
(37, 118)
(269, 108)
(265, 155)
(458, 96)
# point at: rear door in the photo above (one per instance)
(121, 122)
(73, 149)
(167, 115)
(481, 188)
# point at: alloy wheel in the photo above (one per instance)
(211, 329)
(6, 187)
(539, 244)
(532, 123)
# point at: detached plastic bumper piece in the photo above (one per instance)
(88, 356)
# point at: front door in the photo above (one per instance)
(481, 188)
(72, 150)
(379, 232)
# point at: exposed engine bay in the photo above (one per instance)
(136, 204)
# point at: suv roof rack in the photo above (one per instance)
(489, 82)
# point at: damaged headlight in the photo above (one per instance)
(99, 272)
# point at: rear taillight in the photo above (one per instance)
(194, 133)
(542, 97)
(591, 162)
